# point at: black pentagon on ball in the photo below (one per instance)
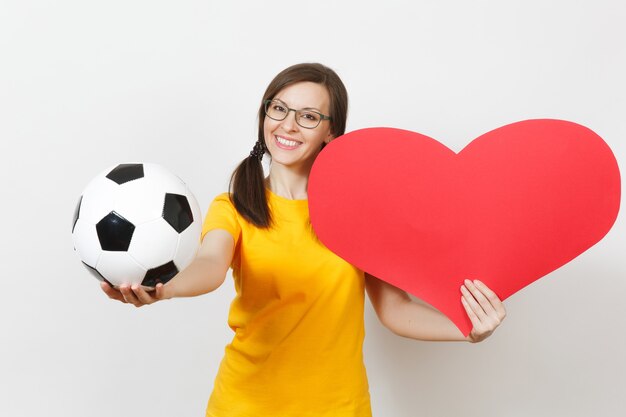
(114, 232)
(126, 172)
(160, 274)
(76, 213)
(177, 212)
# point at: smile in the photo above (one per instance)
(286, 143)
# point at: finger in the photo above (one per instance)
(160, 291)
(111, 292)
(142, 295)
(493, 299)
(473, 304)
(470, 313)
(130, 296)
(480, 297)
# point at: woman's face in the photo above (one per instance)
(290, 144)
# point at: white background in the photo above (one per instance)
(86, 84)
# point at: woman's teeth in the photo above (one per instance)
(286, 142)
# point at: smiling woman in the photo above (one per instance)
(288, 143)
(298, 313)
(313, 89)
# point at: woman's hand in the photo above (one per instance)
(484, 309)
(136, 294)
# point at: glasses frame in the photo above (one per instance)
(322, 116)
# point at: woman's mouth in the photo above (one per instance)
(287, 144)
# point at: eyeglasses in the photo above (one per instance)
(308, 119)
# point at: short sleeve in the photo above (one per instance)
(222, 215)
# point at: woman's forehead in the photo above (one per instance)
(305, 95)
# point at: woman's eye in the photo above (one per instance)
(279, 108)
(310, 116)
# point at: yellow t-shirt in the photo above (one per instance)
(297, 318)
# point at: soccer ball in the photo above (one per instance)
(136, 224)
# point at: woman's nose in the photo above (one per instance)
(289, 123)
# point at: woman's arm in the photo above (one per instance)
(406, 318)
(205, 274)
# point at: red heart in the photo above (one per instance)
(512, 206)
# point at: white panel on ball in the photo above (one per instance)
(86, 242)
(188, 244)
(168, 181)
(154, 243)
(140, 200)
(195, 208)
(98, 199)
(119, 268)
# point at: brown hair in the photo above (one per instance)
(247, 185)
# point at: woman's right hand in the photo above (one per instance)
(136, 294)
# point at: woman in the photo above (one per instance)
(298, 313)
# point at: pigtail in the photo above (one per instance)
(247, 189)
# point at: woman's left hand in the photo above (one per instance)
(484, 309)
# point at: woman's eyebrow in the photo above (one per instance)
(303, 108)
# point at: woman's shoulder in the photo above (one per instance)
(222, 215)
(223, 198)
(222, 203)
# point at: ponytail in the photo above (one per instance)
(247, 189)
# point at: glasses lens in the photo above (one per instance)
(276, 110)
(308, 119)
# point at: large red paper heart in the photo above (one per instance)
(512, 206)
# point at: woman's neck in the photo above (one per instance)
(287, 183)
